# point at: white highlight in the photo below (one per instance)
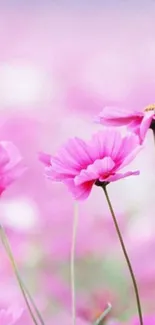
(19, 213)
(21, 84)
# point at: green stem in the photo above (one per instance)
(20, 282)
(72, 265)
(126, 255)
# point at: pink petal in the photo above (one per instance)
(45, 158)
(62, 168)
(11, 175)
(70, 159)
(113, 141)
(54, 174)
(22, 319)
(129, 148)
(99, 169)
(118, 176)
(116, 116)
(134, 128)
(13, 154)
(4, 157)
(11, 166)
(130, 157)
(6, 317)
(146, 122)
(105, 143)
(75, 154)
(80, 192)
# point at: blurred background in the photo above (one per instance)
(61, 62)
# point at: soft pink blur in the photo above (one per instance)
(12, 317)
(58, 68)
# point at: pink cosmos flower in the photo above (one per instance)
(10, 164)
(80, 164)
(136, 121)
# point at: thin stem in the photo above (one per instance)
(153, 135)
(126, 256)
(33, 303)
(72, 265)
(10, 255)
(103, 315)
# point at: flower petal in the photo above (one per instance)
(13, 154)
(130, 146)
(105, 143)
(99, 169)
(80, 192)
(45, 158)
(118, 176)
(75, 153)
(4, 157)
(11, 175)
(148, 116)
(130, 157)
(116, 116)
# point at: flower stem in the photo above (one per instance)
(103, 315)
(20, 282)
(72, 265)
(33, 303)
(153, 135)
(126, 255)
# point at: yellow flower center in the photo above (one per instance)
(149, 108)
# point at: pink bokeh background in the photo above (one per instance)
(59, 66)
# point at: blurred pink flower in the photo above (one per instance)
(92, 307)
(8, 317)
(80, 164)
(66, 319)
(148, 320)
(10, 164)
(136, 121)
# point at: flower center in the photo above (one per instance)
(101, 184)
(149, 108)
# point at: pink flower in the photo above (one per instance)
(136, 121)
(10, 164)
(80, 164)
(8, 317)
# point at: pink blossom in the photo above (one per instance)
(80, 164)
(8, 317)
(10, 164)
(136, 121)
